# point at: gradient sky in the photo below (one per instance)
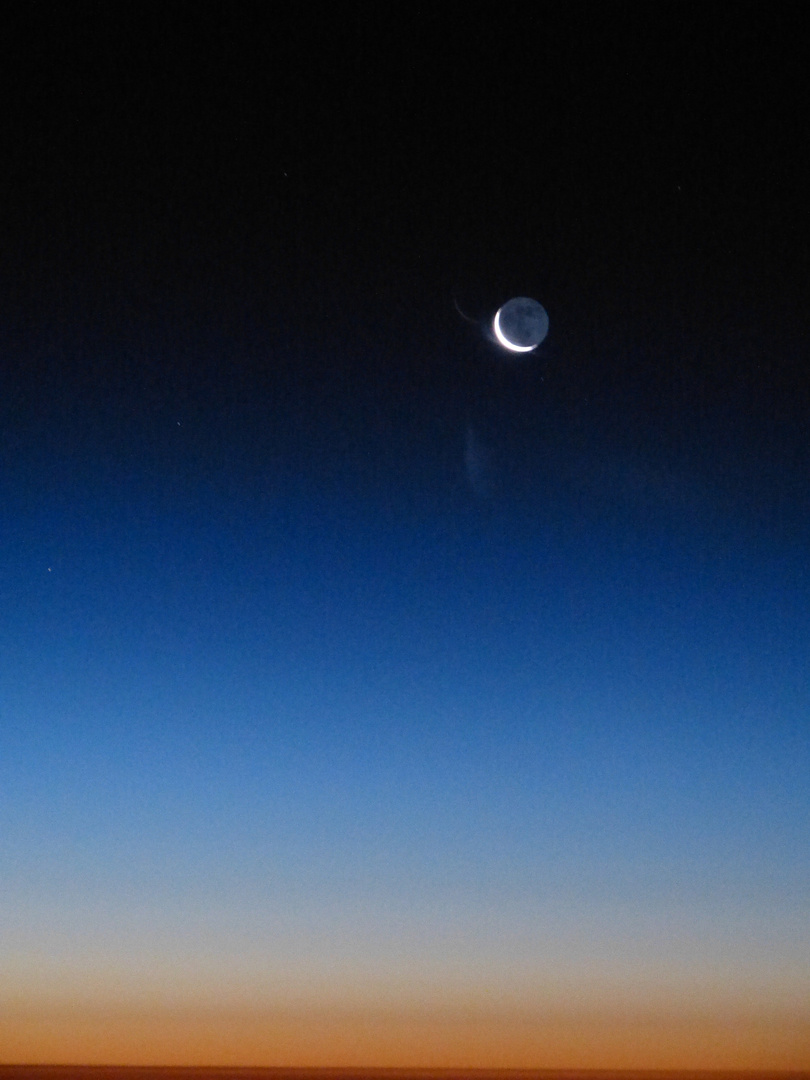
(368, 697)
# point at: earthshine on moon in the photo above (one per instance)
(521, 324)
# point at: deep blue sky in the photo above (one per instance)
(344, 662)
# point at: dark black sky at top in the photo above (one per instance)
(250, 226)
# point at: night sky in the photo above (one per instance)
(369, 696)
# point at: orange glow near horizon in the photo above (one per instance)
(386, 1039)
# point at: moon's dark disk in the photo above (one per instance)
(521, 324)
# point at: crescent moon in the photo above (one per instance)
(504, 340)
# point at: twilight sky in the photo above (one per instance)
(368, 696)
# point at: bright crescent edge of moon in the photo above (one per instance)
(504, 340)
